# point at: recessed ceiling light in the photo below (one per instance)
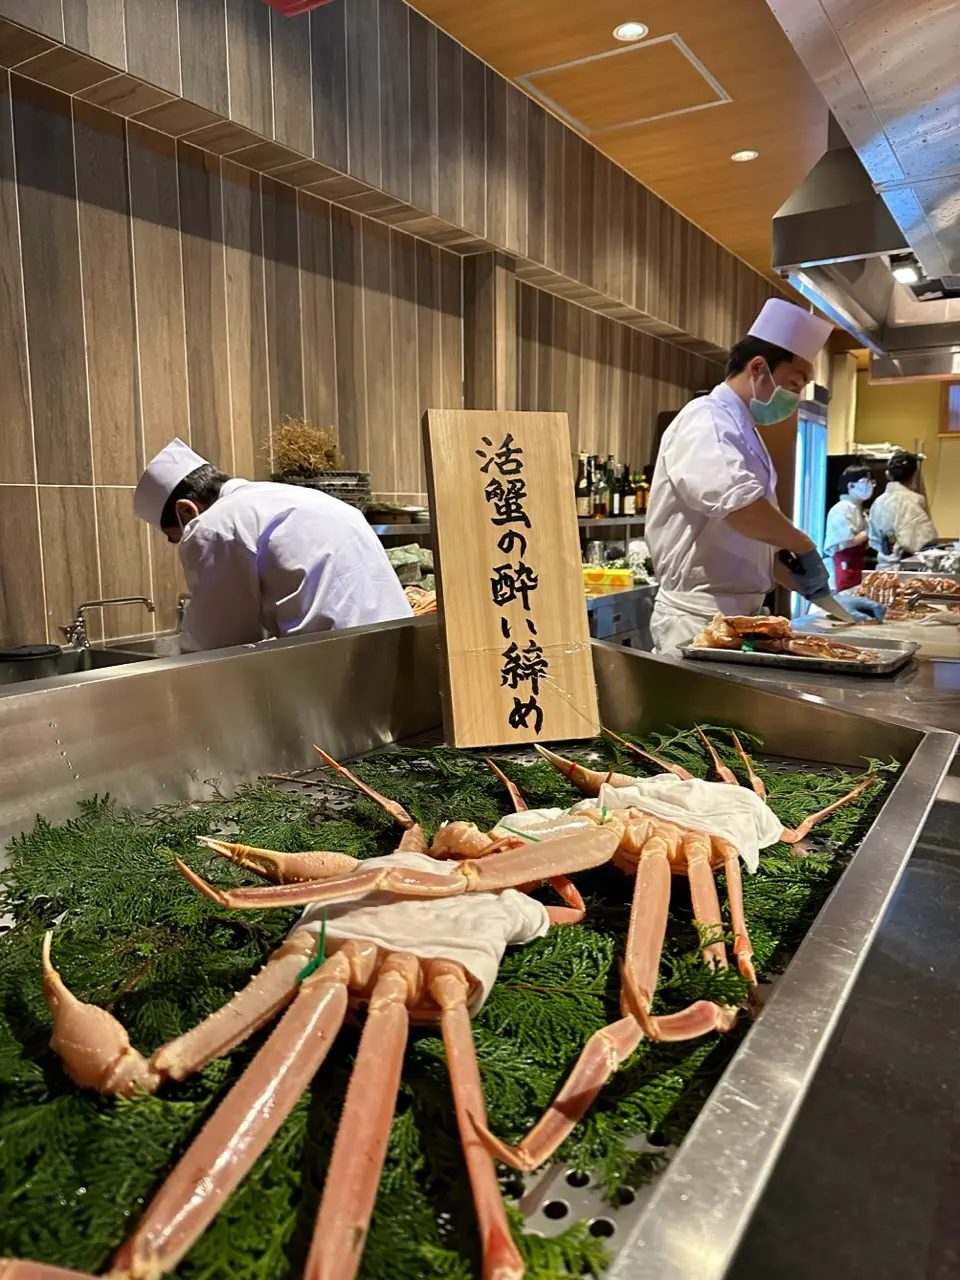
(630, 31)
(742, 157)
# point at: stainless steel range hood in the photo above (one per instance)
(889, 181)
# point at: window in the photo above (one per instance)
(950, 411)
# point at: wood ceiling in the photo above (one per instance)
(711, 78)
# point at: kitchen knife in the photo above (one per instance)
(828, 603)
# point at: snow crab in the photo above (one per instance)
(374, 945)
(775, 635)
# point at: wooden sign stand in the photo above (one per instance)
(512, 610)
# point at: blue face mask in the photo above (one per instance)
(781, 405)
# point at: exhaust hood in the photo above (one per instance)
(889, 182)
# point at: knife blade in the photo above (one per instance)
(829, 604)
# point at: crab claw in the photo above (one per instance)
(588, 780)
(94, 1047)
(283, 868)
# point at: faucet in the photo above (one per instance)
(76, 631)
(181, 609)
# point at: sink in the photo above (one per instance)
(164, 646)
(69, 663)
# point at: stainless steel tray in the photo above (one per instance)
(894, 654)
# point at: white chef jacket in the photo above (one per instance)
(899, 514)
(269, 560)
(844, 521)
(712, 461)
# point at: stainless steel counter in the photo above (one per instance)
(163, 729)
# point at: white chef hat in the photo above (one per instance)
(169, 467)
(791, 327)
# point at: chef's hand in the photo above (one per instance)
(808, 572)
(863, 610)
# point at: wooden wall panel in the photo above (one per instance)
(248, 64)
(204, 290)
(378, 354)
(348, 330)
(328, 52)
(316, 294)
(424, 119)
(96, 27)
(212, 300)
(406, 126)
(246, 321)
(405, 364)
(51, 271)
(68, 522)
(162, 347)
(16, 456)
(203, 54)
(473, 109)
(108, 296)
(609, 379)
(363, 91)
(124, 561)
(292, 114)
(153, 43)
(394, 79)
(281, 254)
(22, 614)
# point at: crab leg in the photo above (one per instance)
(450, 988)
(530, 863)
(22, 1269)
(726, 774)
(576, 909)
(354, 1172)
(741, 941)
(400, 880)
(756, 782)
(519, 804)
(245, 1121)
(283, 868)
(676, 769)
(703, 892)
(588, 780)
(96, 1051)
(391, 806)
(792, 837)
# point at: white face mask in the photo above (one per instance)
(862, 490)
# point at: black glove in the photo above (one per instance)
(808, 572)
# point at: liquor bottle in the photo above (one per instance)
(582, 487)
(598, 490)
(643, 494)
(616, 492)
(629, 500)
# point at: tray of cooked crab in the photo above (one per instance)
(765, 641)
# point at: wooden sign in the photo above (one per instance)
(513, 612)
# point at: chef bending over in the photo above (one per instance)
(713, 525)
(265, 560)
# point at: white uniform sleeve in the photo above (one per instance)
(706, 466)
(913, 527)
(843, 525)
(224, 608)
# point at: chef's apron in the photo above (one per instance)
(848, 567)
(680, 616)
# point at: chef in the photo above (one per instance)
(899, 520)
(265, 560)
(713, 524)
(845, 539)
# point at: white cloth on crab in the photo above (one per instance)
(735, 813)
(474, 929)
